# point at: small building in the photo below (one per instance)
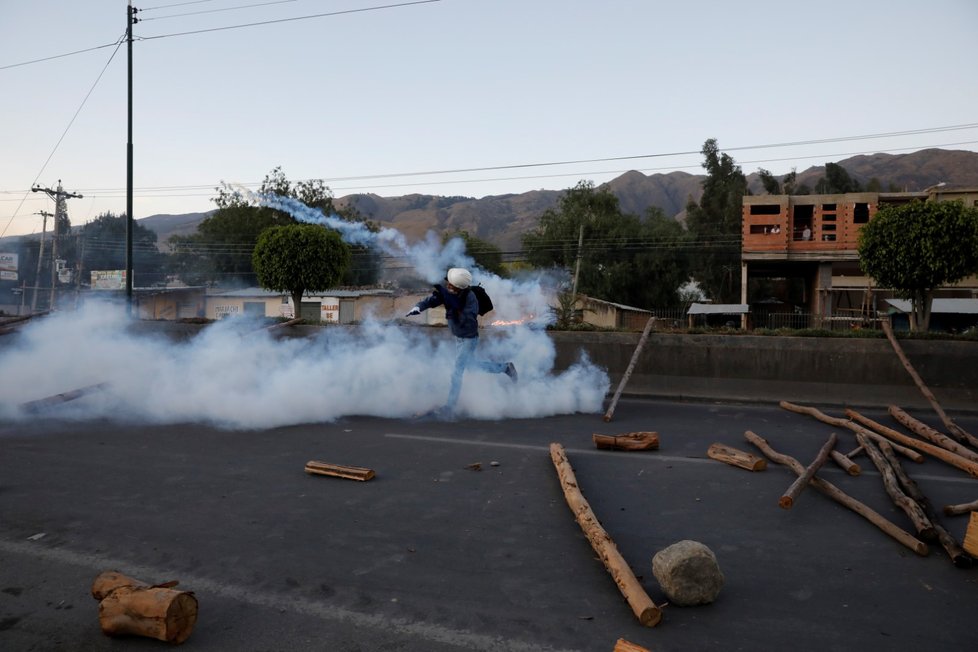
(606, 314)
(333, 306)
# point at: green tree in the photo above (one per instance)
(485, 254)
(103, 247)
(221, 250)
(714, 224)
(917, 247)
(786, 186)
(836, 181)
(297, 258)
(622, 258)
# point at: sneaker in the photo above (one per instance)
(511, 371)
(438, 414)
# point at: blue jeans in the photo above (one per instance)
(465, 357)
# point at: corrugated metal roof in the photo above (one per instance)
(718, 309)
(941, 306)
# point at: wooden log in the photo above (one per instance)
(921, 429)
(952, 427)
(957, 555)
(64, 397)
(629, 370)
(925, 529)
(787, 500)
(735, 457)
(858, 450)
(642, 606)
(621, 645)
(883, 434)
(969, 467)
(963, 508)
(128, 606)
(632, 441)
(971, 535)
(349, 472)
(845, 423)
(845, 463)
(841, 497)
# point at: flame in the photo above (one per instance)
(512, 322)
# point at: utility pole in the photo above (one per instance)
(59, 197)
(130, 21)
(40, 256)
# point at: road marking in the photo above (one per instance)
(277, 601)
(653, 457)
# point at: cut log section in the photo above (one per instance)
(841, 497)
(621, 645)
(128, 606)
(845, 463)
(632, 441)
(735, 457)
(788, 498)
(963, 508)
(349, 472)
(971, 536)
(642, 606)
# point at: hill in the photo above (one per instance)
(502, 219)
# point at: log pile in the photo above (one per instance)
(881, 444)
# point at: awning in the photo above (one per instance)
(718, 309)
(940, 306)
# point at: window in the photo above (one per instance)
(765, 209)
(860, 213)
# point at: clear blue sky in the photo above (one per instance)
(367, 93)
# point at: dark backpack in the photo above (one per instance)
(485, 303)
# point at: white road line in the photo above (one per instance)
(277, 601)
(653, 457)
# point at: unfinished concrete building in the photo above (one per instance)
(814, 240)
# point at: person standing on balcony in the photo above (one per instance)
(806, 233)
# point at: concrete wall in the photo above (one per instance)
(837, 371)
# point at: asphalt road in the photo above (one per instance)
(432, 556)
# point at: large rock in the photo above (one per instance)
(688, 573)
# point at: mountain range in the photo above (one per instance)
(503, 219)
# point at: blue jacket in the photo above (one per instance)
(461, 310)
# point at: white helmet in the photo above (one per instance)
(460, 278)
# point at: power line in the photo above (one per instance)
(288, 20)
(59, 56)
(215, 11)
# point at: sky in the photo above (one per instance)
(460, 97)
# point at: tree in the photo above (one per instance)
(103, 247)
(836, 181)
(715, 224)
(622, 258)
(298, 258)
(787, 185)
(221, 250)
(918, 247)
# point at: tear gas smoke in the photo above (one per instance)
(236, 375)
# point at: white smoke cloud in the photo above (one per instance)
(237, 375)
